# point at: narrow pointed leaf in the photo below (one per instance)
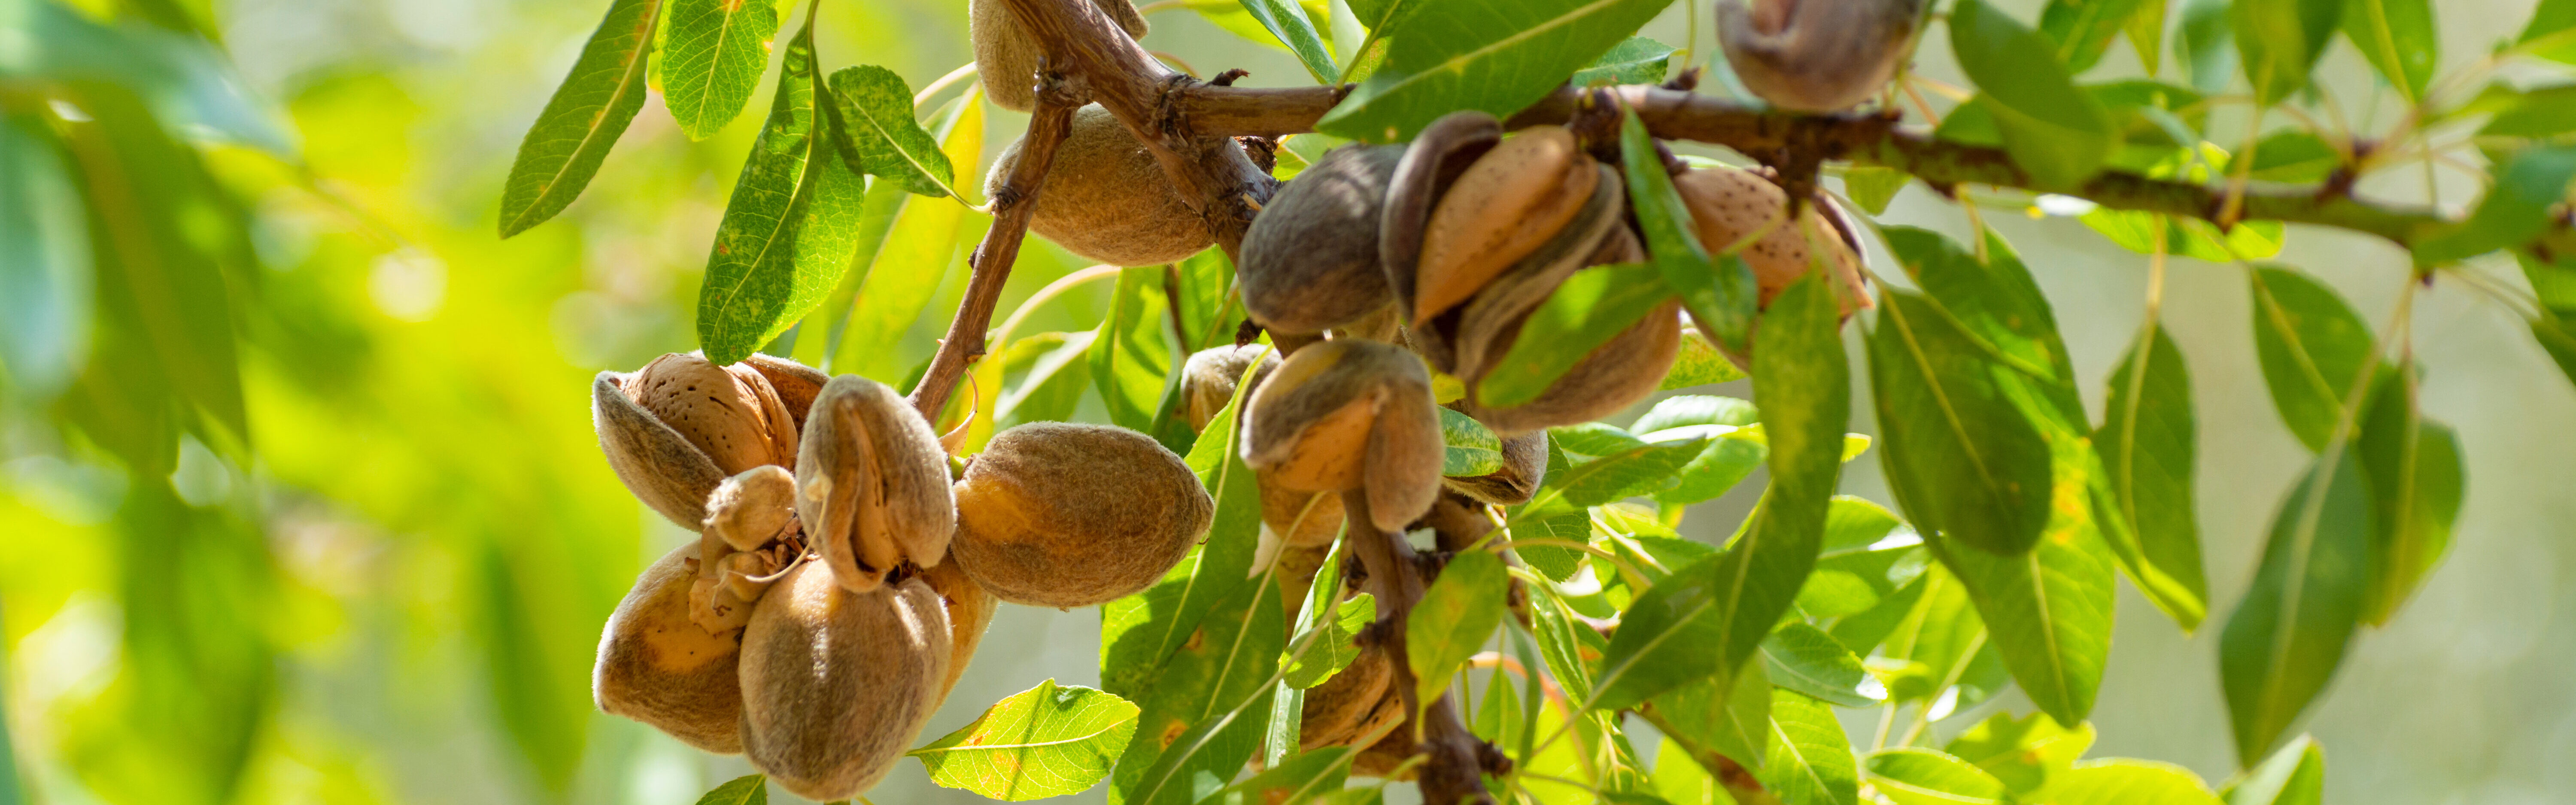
(924, 242)
(1635, 60)
(588, 112)
(1454, 619)
(1495, 56)
(2399, 39)
(1805, 659)
(2120, 781)
(1811, 760)
(750, 789)
(2515, 209)
(713, 57)
(2282, 645)
(2295, 775)
(1713, 718)
(2280, 41)
(1131, 359)
(2024, 753)
(1288, 22)
(1963, 460)
(2055, 132)
(2148, 444)
(2083, 29)
(1721, 294)
(2415, 486)
(2313, 349)
(1046, 741)
(1918, 776)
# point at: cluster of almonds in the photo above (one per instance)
(842, 578)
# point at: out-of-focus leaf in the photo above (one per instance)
(1046, 741)
(712, 60)
(1683, 410)
(2313, 349)
(2286, 637)
(1334, 650)
(2049, 610)
(1699, 364)
(587, 114)
(820, 344)
(749, 789)
(1636, 60)
(1811, 760)
(2148, 442)
(1592, 307)
(1805, 659)
(2135, 231)
(2296, 156)
(1912, 775)
(1054, 383)
(2208, 44)
(1873, 187)
(1962, 458)
(1721, 295)
(2023, 753)
(2399, 39)
(788, 229)
(2515, 209)
(2535, 113)
(1288, 22)
(2285, 39)
(1207, 708)
(1682, 781)
(1306, 778)
(2122, 781)
(2557, 336)
(1454, 619)
(2083, 29)
(1710, 617)
(1496, 56)
(2147, 34)
(1130, 359)
(915, 257)
(2056, 133)
(1473, 449)
(875, 132)
(1936, 639)
(44, 263)
(2416, 481)
(2294, 775)
(184, 78)
(1712, 718)
(1210, 313)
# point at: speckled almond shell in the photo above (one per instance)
(1310, 261)
(1069, 515)
(656, 667)
(1105, 197)
(872, 483)
(1008, 61)
(730, 413)
(658, 464)
(838, 684)
(1727, 204)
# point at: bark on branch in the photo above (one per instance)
(1458, 759)
(990, 265)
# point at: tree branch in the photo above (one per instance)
(1458, 759)
(1013, 203)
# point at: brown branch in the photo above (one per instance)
(1013, 203)
(1458, 759)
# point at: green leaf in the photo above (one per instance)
(2048, 609)
(1334, 649)
(907, 269)
(2416, 481)
(1699, 364)
(2399, 39)
(1631, 471)
(1210, 313)
(749, 789)
(1962, 457)
(2147, 34)
(2287, 38)
(712, 60)
(2134, 231)
(1042, 742)
(1685, 410)
(2515, 210)
(820, 344)
(1913, 775)
(1590, 308)
(2286, 637)
(2208, 44)
(2295, 775)
(1811, 761)
(1289, 23)
(1495, 56)
(2122, 781)
(2313, 348)
(2024, 753)
(587, 114)
(1130, 360)
(1722, 296)
(1140, 632)
(2148, 442)
(1937, 639)
(1207, 709)
(1711, 720)
(788, 229)
(1681, 780)
(1053, 386)
(1709, 617)
(1305, 778)
(1805, 659)
(1454, 619)
(874, 130)
(2083, 29)
(2056, 133)
(1995, 299)
(1636, 60)
(1473, 449)
(2557, 336)
(45, 267)
(2536, 113)
(1873, 187)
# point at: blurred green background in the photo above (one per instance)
(376, 570)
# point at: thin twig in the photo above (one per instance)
(1458, 759)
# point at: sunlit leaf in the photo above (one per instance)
(1635, 60)
(921, 245)
(1713, 718)
(1288, 22)
(1680, 780)
(587, 114)
(1962, 458)
(712, 60)
(1473, 449)
(788, 228)
(1811, 760)
(2399, 39)
(1937, 638)
(2291, 630)
(1454, 619)
(2120, 781)
(1495, 56)
(1207, 708)
(1305, 778)
(2024, 753)
(1131, 359)
(44, 263)
(1334, 649)
(1699, 364)
(1054, 383)
(2148, 442)
(2055, 132)
(1917, 776)
(1046, 741)
(1805, 659)
(1873, 187)
(1592, 307)
(749, 789)
(2313, 348)
(1720, 294)
(876, 134)
(2049, 609)
(2294, 775)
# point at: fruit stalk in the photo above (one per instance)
(1458, 759)
(990, 265)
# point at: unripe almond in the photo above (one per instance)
(1310, 260)
(1350, 414)
(970, 611)
(658, 667)
(1066, 515)
(1208, 380)
(1512, 200)
(1106, 198)
(1816, 56)
(872, 483)
(837, 684)
(1007, 58)
(1338, 711)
